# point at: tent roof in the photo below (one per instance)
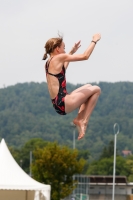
(12, 177)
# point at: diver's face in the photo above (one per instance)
(61, 49)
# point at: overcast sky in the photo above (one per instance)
(25, 26)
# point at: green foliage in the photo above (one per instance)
(22, 155)
(105, 167)
(129, 164)
(56, 165)
(108, 151)
(85, 154)
(26, 112)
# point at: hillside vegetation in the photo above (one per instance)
(26, 112)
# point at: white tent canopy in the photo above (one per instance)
(12, 177)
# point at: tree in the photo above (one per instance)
(105, 167)
(22, 155)
(56, 165)
(129, 164)
(85, 154)
(108, 151)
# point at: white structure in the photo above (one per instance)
(15, 183)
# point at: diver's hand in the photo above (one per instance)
(96, 37)
(75, 47)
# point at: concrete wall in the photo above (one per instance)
(104, 192)
(107, 197)
(107, 189)
(130, 189)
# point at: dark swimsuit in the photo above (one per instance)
(58, 101)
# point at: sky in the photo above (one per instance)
(26, 25)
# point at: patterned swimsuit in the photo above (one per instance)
(58, 101)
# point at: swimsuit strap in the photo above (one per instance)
(61, 78)
(47, 65)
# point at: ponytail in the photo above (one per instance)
(50, 45)
(44, 56)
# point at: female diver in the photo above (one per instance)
(84, 97)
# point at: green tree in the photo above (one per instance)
(105, 167)
(22, 155)
(129, 164)
(56, 165)
(85, 154)
(108, 151)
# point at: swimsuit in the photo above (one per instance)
(58, 101)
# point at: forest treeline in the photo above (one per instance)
(26, 112)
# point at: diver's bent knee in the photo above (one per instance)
(88, 85)
(99, 90)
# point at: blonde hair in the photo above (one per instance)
(50, 45)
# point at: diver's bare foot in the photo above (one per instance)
(85, 126)
(81, 135)
(81, 126)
